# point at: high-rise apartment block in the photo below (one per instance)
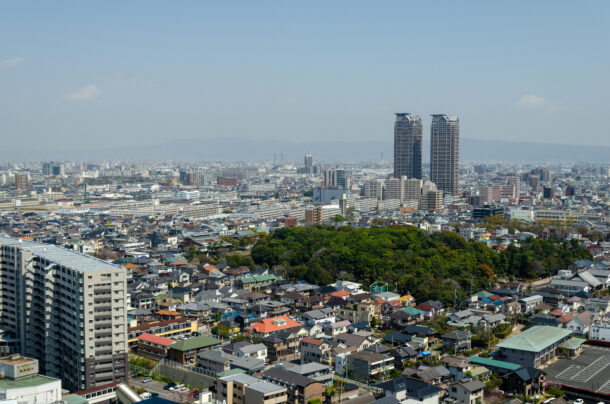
(413, 189)
(308, 160)
(373, 189)
(67, 310)
(445, 153)
(407, 146)
(394, 189)
(22, 181)
(336, 178)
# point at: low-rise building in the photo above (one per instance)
(534, 346)
(186, 351)
(466, 391)
(301, 389)
(21, 382)
(365, 364)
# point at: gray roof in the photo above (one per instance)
(589, 278)
(308, 368)
(265, 387)
(284, 376)
(61, 256)
(251, 348)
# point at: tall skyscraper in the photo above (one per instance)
(67, 310)
(308, 160)
(445, 153)
(407, 146)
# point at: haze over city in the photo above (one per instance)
(79, 76)
(314, 202)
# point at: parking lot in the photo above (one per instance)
(157, 387)
(588, 373)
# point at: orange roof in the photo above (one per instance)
(168, 313)
(155, 339)
(340, 293)
(269, 325)
(180, 262)
(209, 268)
(405, 298)
(27, 238)
(129, 265)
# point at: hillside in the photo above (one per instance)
(429, 266)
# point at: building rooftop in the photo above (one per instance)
(202, 341)
(30, 381)
(493, 363)
(265, 387)
(59, 255)
(535, 339)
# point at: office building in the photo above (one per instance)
(407, 146)
(67, 310)
(445, 153)
(22, 181)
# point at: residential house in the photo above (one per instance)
(581, 323)
(525, 381)
(365, 364)
(152, 346)
(410, 391)
(334, 329)
(457, 340)
(301, 389)
(466, 391)
(313, 370)
(186, 351)
(315, 350)
(268, 326)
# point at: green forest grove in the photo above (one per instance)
(427, 265)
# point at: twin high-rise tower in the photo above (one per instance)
(407, 146)
(444, 150)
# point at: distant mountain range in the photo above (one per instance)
(233, 149)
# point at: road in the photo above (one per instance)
(157, 387)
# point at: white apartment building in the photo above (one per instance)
(67, 310)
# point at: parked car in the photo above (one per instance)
(196, 334)
(147, 380)
(169, 386)
(145, 395)
(133, 375)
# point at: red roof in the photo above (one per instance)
(425, 307)
(156, 340)
(312, 341)
(269, 325)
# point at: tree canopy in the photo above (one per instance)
(427, 265)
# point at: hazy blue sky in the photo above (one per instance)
(120, 73)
